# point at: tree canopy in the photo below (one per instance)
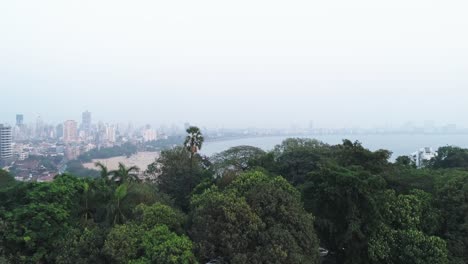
(245, 205)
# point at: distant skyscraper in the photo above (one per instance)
(86, 122)
(39, 128)
(110, 133)
(59, 131)
(149, 134)
(6, 143)
(70, 131)
(19, 120)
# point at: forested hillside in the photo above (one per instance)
(245, 205)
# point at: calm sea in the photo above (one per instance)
(398, 144)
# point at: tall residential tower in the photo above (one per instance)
(6, 143)
(70, 131)
(86, 122)
(19, 120)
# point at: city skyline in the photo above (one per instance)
(340, 64)
(87, 119)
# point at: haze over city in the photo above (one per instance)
(262, 63)
(233, 132)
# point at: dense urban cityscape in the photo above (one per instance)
(39, 151)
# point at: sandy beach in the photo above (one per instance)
(141, 160)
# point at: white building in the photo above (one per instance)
(110, 133)
(423, 156)
(149, 135)
(70, 131)
(6, 143)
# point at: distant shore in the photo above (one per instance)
(140, 159)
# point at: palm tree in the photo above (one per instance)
(124, 174)
(104, 171)
(114, 210)
(86, 210)
(193, 142)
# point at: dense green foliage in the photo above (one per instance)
(126, 149)
(76, 168)
(256, 219)
(5, 179)
(450, 157)
(245, 205)
(163, 144)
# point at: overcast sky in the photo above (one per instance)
(236, 63)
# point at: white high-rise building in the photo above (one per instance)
(149, 135)
(110, 133)
(6, 143)
(70, 131)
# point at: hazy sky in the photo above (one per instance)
(236, 63)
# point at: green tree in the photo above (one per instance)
(160, 214)
(399, 238)
(452, 201)
(450, 157)
(256, 219)
(296, 157)
(193, 143)
(236, 160)
(104, 171)
(288, 233)
(178, 174)
(161, 246)
(354, 154)
(124, 243)
(131, 243)
(5, 179)
(345, 204)
(116, 214)
(125, 174)
(81, 246)
(405, 161)
(42, 215)
(223, 225)
(194, 140)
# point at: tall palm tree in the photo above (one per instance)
(86, 210)
(124, 174)
(104, 171)
(194, 141)
(114, 210)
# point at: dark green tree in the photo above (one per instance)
(296, 157)
(125, 174)
(177, 174)
(104, 171)
(5, 179)
(256, 219)
(235, 160)
(452, 201)
(193, 142)
(345, 204)
(450, 157)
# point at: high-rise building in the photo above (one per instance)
(59, 131)
(70, 131)
(110, 133)
(86, 122)
(39, 129)
(19, 120)
(149, 135)
(6, 143)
